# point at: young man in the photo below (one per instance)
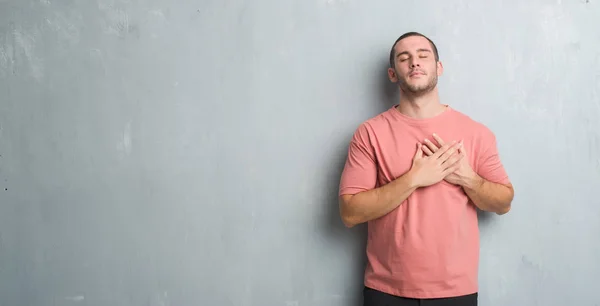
(416, 174)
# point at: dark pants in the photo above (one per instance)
(373, 297)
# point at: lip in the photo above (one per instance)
(416, 73)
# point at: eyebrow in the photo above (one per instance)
(418, 50)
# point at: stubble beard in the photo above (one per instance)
(418, 90)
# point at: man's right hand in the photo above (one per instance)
(429, 170)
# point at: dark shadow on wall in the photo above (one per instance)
(484, 217)
(352, 241)
(389, 93)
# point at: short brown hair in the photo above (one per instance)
(409, 34)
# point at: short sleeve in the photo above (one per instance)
(489, 164)
(360, 169)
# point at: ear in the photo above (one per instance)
(392, 75)
(440, 68)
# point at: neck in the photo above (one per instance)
(423, 106)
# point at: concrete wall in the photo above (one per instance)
(188, 152)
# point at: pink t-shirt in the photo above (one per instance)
(428, 247)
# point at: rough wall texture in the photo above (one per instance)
(185, 152)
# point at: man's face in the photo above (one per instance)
(416, 70)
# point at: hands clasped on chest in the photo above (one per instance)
(442, 161)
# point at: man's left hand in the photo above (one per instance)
(464, 174)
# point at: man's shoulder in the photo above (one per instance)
(375, 121)
(473, 125)
(371, 126)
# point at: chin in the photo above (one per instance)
(416, 88)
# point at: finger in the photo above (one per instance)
(454, 161)
(453, 164)
(450, 169)
(427, 150)
(442, 150)
(419, 152)
(447, 150)
(438, 139)
(430, 145)
(461, 147)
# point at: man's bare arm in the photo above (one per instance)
(486, 195)
(489, 196)
(369, 205)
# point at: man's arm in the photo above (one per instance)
(489, 187)
(489, 196)
(369, 205)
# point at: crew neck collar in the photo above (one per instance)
(420, 121)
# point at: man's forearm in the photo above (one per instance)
(489, 196)
(372, 204)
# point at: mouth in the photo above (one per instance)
(416, 73)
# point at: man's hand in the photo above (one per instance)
(486, 195)
(431, 169)
(463, 174)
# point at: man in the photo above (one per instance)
(416, 174)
